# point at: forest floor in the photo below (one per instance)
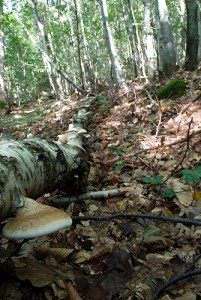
(150, 151)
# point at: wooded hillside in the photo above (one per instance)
(100, 126)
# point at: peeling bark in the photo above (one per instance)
(35, 166)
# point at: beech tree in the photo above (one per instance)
(165, 39)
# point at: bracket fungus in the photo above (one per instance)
(35, 220)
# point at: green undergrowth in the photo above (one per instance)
(22, 118)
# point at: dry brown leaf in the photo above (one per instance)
(72, 293)
(187, 296)
(182, 191)
(30, 269)
(58, 253)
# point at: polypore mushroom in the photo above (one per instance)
(34, 220)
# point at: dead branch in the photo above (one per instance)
(63, 201)
(125, 215)
(175, 280)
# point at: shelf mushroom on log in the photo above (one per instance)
(31, 168)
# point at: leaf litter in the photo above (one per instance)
(121, 258)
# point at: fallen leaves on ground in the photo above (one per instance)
(118, 259)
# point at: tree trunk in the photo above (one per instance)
(116, 67)
(139, 56)
(199, 32)
(79, 45)
(159, 39)
(35, 166)
(150, 51)
(47, 64)
(192, 37)
(169, 63)
(59, 70)
(2, 85)
(133, 49)
(87, 63)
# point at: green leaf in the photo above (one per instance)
(192, 176)
(118, 151)
(153, 117)
(168, 193)
(153, 180)
(153, 230)
(119, 165)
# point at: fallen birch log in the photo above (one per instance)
(33, 167)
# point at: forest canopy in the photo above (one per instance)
(71, 45)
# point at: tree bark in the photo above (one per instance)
(34, 166)
(150, 51)
(192, 37)
(169, 63)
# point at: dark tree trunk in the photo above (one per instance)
(192, 37)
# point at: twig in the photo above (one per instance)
(125, 215)
(176, 279)
(182, 140)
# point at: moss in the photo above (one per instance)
(172, 90)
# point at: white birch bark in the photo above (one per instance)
(35, 166)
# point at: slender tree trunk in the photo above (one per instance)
(199, 31)
(139, 56)
(192, 37)
(87, 63)
(116, 67)
(149, 38)
(133, 48)
(59, 70)
(2, 84)
(48, 66)
(169, 66)
(159, 38)
(79, 45)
